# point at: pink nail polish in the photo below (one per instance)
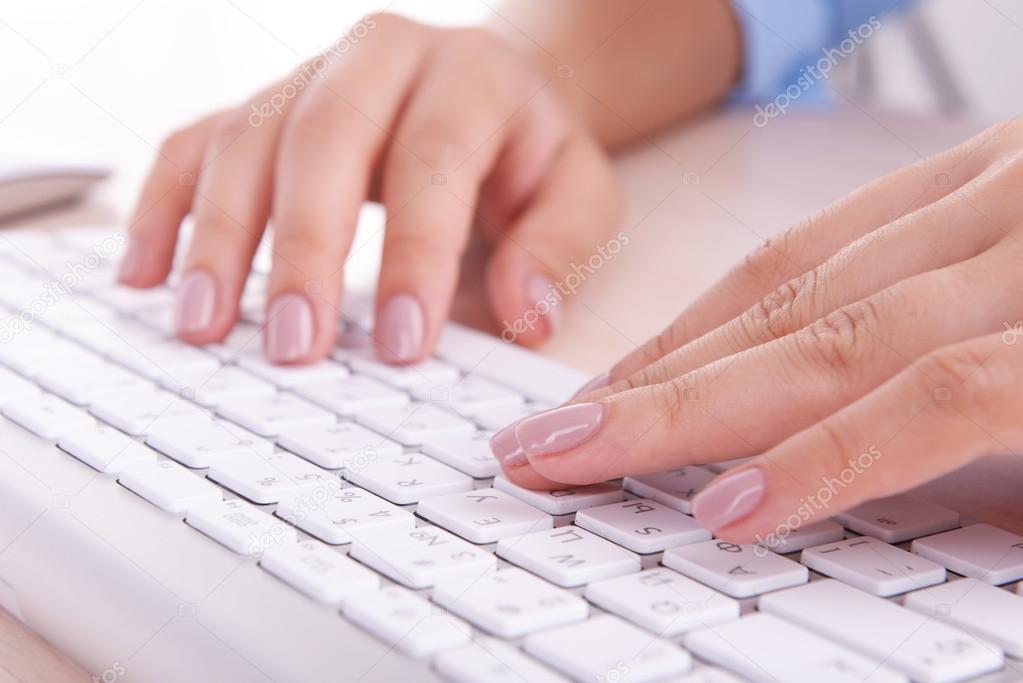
(558, 430)
(598, 382)
(289, 329)
(400, 329)
(730, 498)
(544, 300)
(506, 447)
(196, 302)
(131, 263)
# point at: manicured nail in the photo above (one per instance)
(506, 447)
(598, 382)
(558, 430)
(131, 263)
(544, 300)
(289, 329)
(400, 329)
(730, 498)
(196, 302)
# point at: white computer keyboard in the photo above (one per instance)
(372, 489)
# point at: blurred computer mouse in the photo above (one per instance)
(27, 185)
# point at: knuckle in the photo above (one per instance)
(842, 339)
(472, 39)
(429, 246)
(230, 126)
(839, 448)
(177, 147)
(963, 379)
(435, 143)
(786, 309)
(671, 398)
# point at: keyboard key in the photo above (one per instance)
(663, 601)
(642, 525)
(14, 387)
(156, 358)
(873, 566)
(568, 556)
(105, 449)
(976, 607)
(240, 527)
(430, 372)
(510, 603)
(138, 412)
(408, 478)
(502, 416)
(287, 376)
(468, 396)
(270, 415)
(211, 389)
(83, 385)
(674, 488)
(484, 515)
(351, 395)
(201, 440)
(709, 674)
(335, 445)
(329, 511)
(725, 465)
(805, 536)
(415, 423)
(468, 453)
(407, 622)
(47, 416)
(765, 649)
(606, 648)
(563, 501)
(917, 645)
(265, 479)
(420, 557)
(980, 551)
(320, 572)
(243, 337)
(169, 486)
(898, 518)
(737, 570)
(494, 661)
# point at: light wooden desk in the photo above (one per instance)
(699, 198)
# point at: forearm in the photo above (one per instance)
(629, 67)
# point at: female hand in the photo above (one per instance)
(446, 127)
(866, 351)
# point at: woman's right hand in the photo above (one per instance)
(448, 128)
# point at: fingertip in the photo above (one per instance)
(399, 332)
(141, 267)
(526, 301)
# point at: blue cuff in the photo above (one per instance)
(787, 44)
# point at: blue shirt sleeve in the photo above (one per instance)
(790, 46)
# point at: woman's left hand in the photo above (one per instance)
(867, 351)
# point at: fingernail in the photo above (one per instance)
(598, 382)
(196, 302)
(131, 263)
(506, 447)
(543, 300)
(400, 329)
(559, 429)
(729, 499)
(289, 329)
